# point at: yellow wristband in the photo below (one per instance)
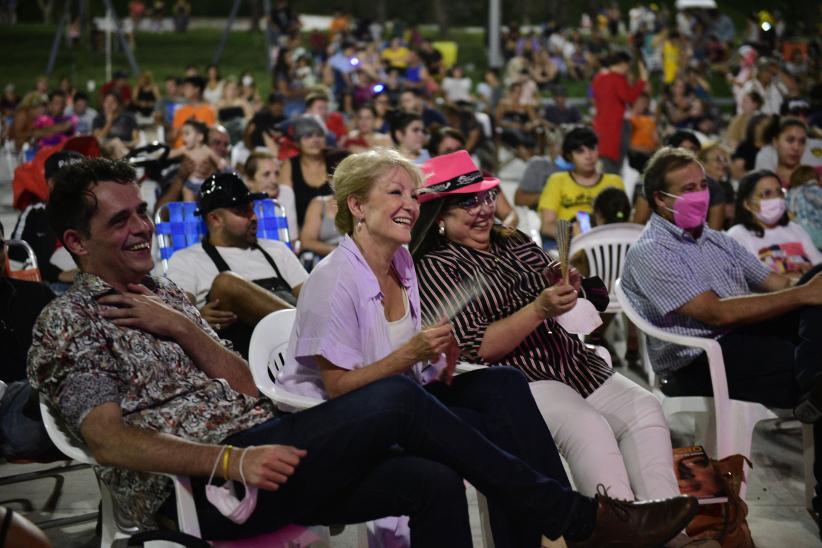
(226, 455)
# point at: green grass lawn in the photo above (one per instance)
(26, 50)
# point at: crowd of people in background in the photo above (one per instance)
(360, 91)
(647, 79)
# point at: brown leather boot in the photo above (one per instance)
(646, 524)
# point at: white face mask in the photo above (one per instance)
(771, 210)
(224, 499)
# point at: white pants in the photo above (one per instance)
(617, 436)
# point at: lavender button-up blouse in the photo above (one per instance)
(340, 317)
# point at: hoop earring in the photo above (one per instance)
(441, 229)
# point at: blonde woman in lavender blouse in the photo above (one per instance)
(358, 320)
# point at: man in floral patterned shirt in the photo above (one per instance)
(139, 377)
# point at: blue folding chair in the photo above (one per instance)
(272, 221)
(178, 227)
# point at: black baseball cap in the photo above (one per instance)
(59, 160)
(224, 190)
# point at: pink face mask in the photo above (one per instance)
(771, 210)
(690, 209)
(224, 498)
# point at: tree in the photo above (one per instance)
(440, 16)
(46, 7)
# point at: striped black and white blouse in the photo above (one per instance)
(510, 277)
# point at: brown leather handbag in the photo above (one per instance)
(725, 522)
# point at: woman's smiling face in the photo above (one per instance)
(469, 221)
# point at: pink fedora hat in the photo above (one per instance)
(453, 173)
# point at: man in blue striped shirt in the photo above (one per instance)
(687, 278)
(691, 280)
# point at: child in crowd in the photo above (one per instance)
(567, 193)
(196, 151)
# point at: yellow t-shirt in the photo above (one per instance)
(565, 196)
(670, 61)
(396, 57)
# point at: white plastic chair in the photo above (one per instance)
(529, 223)
(114, 525)
(266, 357)
(605, 248)
(723, 426)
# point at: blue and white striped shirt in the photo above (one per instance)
(667, 267)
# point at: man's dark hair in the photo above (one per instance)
(400, 120)
(576, 138)
(81, 96)
(680, 136)
(196, 81)
(57, 93)
(72, 203)
(747, 185)
(617, 58)
(664, 161)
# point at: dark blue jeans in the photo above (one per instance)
(498, 402)
(390, 448)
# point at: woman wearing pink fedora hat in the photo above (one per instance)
(358, 322)
(611, 431)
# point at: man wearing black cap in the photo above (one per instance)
(234, 279)
(33, 226)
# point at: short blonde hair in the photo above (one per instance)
(252, 164)
(705, 151)
(356, 175)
